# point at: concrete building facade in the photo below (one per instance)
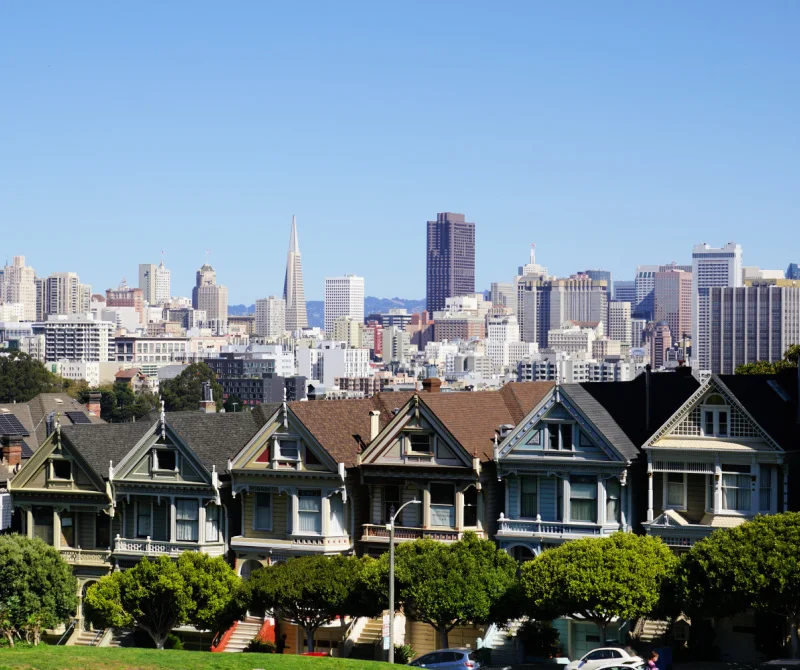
(270, 317)
(344, 296)
(155, 283)
(18, 285)
(450, 259)
(208, 296)
(672, 300)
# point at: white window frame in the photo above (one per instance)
(442, 505)
(255, 511)
(210, 522)
(665, 491)
(748, 487)
(300, 513)
(196, 521)
(716, 410)
(431, 444)
(158, 462)
(279, 455)
(137, 506)
(549, 425)
(519, 496)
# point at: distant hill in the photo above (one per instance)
(316, 308)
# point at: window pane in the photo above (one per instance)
(552, 431)
(420, 443)
(722, 422)
(337, 514)
(612, 500)
(471, 507)
(583, 510)
(709, 421)
(566, 436)
(288, 450)
(529, 497)
(212, 523)
(188, 514)
(391, 502)
(263, 511)
(443, 516)
(143, 520)
(443, 494)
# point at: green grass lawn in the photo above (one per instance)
(47, 657)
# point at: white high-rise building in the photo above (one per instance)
(62, 293)
(270, 317)
(619, 321)
(18, 285)
(503, 331)
(344, 296)
(710, 267)
(76, 337)
(332, 360)
(155, 282)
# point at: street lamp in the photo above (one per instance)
(390, 526)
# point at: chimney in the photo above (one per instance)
(647, 374)
(93, 405)
(12, 449)
(374, 424)
(208, 405)
(50, 423)
(432, 384)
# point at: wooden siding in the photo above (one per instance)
(548, 498)
(86, 526)
(422, 637)
(280, 508)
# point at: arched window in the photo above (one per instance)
(716, 416)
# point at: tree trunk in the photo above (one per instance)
(794, 622)
(9, 635)
(443, 640)
(602, 625)
(309, 638)
(159, 639)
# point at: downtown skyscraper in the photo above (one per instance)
(294, 293)
(450, 259)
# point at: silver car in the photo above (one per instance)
(449, 659)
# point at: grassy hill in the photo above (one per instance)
(47, 657)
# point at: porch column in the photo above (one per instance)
(426, 507)
(717, 486)
(755, 487)
(29, 522)
(649, 486)
(480, 510)
(773, 489)
(601, 500)
(172, 518)
(56, 529)
(459, 510)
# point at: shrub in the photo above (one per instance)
(403, 653)
(173, 642)
(261, 646)
(539, 638)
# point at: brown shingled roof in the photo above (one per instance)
(472, 418)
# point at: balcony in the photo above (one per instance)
(380, 533)
(78, 556)
(567, 530)
(149, 547)
(306, 543)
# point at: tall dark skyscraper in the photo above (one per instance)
(451, 259)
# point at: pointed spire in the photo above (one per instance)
(293, 247)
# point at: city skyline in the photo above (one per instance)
(606, 129)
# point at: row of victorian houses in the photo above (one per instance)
(529, 466)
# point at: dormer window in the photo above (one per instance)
(166, 460)
(559, 436)
(420, 443)
(287, 450)
(715, 416)
(61, 469)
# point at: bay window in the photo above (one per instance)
(309, 511)
(613, 495)
(583, 498)
(529, 497)
(212, 523)
(443, 505)
(262, 517)
(736, 489)
(187, 514)
(471, 507)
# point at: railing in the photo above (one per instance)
(80, 556)
(403, 533)
(67, 632)
(150, 547)
(98, 636)
(679, 536)
(550, 528)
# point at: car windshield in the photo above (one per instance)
(630, 651)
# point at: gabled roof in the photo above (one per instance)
(215, 438)
(626, 402)
(101, 443)
(471, 417)
(23, 413)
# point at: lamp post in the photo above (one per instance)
(390, 525)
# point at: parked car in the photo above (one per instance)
(449, 659)
(607, 657)
(624, 665)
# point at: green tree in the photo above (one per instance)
(119, 404)
(185, 391)
(790, 358)
(216, 591)
(311, 591)
(161, 594)
(449, 585)
(755, 565)
(599, 579)
(233, 403)
(23, 378)
(37, 589)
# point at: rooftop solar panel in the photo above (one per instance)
(77, 417)
(27, 452)
(10, 425)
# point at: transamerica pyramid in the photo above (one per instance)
(293, 292)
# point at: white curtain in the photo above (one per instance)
(309, 513)
(337, 515)
(188, 516)
(212, 523)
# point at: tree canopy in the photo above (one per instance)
(23, 378)
(160, 594)
(233, 403)
(790, 358)
(449, 585)
(755, 565)
(185, 391)
(599, 579)
(311, 591)
(119, 404)
(37, 589)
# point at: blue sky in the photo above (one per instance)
(609, 134)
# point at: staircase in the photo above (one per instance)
(245, 631)
(652, 631)
(88, 638)
(504, 646)
(364, 645)
(119, 638)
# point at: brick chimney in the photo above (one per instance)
(208, 404)
(432, 384)
(93, 405)
(12, 449)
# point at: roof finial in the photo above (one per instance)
(163, 422)
(285, 410)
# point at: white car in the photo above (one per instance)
(608, 657)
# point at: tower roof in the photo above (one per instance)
(293, 246)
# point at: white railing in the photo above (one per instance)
(550, 528)
(78, 556)
(150, 547)
(402, 533)
(679, 536)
